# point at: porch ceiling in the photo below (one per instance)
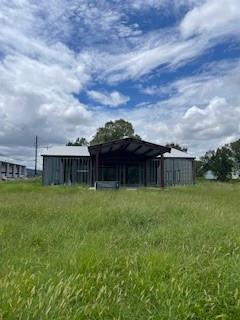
(129, 145)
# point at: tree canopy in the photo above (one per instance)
(219, 162)
(235, 149)
(114, 130)
(79, 142)
(176, 146)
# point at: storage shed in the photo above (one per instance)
(129, 161)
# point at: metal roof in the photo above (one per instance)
(129, 145)
(77, 151)
(175, 153)
(10, 161)
(67, 151)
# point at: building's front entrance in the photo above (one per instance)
(132, 175)
(127, 174)
(126, 161)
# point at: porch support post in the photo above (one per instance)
(97, 167)
(145, 172)
(93, 170)
(162, 171)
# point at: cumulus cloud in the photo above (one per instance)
(217, 120)
(199, 128)
(112, 99)
(36, 92)
(30, 87)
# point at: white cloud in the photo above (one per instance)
(198, 128)
(154, 50)
(36, 98)
(222, 78)
(112, 99)
(161, 4)
(215, 17)
(88, 22)
(191, 114)
(209, 22)
(217, 120)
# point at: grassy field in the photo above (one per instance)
(72, 253)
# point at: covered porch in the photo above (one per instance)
(128, 161)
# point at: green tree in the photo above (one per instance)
(78, 142)
(219, 162)
(114, 130)
(176, 146)
(235, 149)
(199, 168)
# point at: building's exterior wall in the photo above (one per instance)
(73, 170)
(11, 170)
(153, 172)
(67, 170)
(177, 171)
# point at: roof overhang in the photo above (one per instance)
(129, 145)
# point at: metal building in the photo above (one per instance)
(129, 161)
(9, 170)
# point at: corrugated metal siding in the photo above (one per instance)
(63, 170)
(176, 172)
(153, 172)
(73, 170)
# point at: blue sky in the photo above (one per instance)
(171, 67)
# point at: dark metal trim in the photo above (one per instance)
(126, 142)
(162, 171)
(138, 148)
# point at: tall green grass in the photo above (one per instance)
(73, 253)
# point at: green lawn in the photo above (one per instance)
(73, 253)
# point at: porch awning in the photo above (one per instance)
(129, 145)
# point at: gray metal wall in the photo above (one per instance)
(179, 171)
(66, 170)
(153, 173)
(72, 170)
(176, 171)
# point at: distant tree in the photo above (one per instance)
(176, 146)
(199, 168)
(219, 162)
(114, 130)
(78, 142)
(235, 149)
